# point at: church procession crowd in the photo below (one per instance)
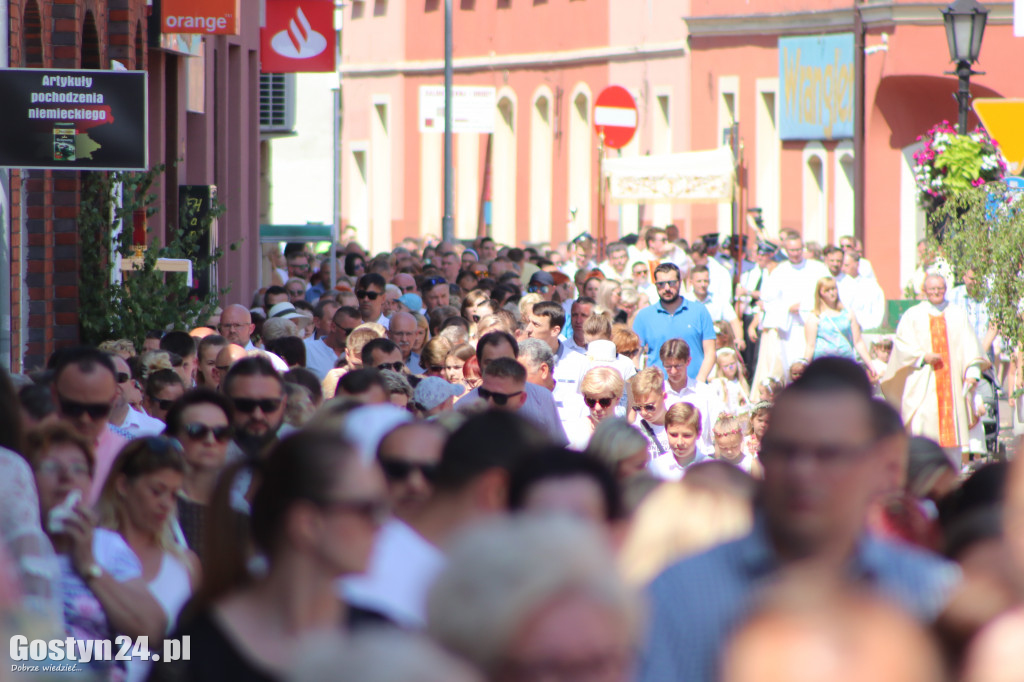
(649, 460)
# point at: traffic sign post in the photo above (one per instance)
(615, 122)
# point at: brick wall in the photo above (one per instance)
(44, 204)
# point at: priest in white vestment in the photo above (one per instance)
(788, 297)
(935, 365)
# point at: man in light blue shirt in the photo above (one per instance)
(676, 317)
(821, 468)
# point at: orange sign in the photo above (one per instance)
(208, 17)
(1002, 119)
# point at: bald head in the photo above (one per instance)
(935, 289)
(402, 330)
(227, 356)
(236, 324)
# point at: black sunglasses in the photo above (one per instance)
(363, 293)
(374, 511)
(163, 403)
(400, 470)
(631, 353)
(75, 409)
(605, 402)
(393, 366)
(534, 289)
(670, 283)
(197, 431)
(498, 398)
(248, 405)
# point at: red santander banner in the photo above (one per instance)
(298, 37)
(208, 17)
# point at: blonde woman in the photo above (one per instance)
(624, 449)
(609, 300)
(832, 329)
(602, 389)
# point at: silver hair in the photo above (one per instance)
(502, 572)
(615, 440)
(534, 352)
(396, 383)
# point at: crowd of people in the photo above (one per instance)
(467, 462)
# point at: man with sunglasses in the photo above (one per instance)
(821, 459)
(124, 419)
(163, 387)
(542, 283)
(323, 353)
(370, 294)
(257, 391)
(383, 354)
(675, 317)
(84, 389)
(504, 385)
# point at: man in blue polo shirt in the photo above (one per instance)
(675, 317)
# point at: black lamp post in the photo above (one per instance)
(965, 26)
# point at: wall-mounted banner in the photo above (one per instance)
(298, 37)
(472, 109)
(703, 177)
(816, 87)
(209, 17)
(73, 119)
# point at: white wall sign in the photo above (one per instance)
(473, 109)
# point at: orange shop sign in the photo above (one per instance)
(208, 17)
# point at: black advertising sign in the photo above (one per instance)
(73, 119)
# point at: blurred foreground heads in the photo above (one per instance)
(534, 598)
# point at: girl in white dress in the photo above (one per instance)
(728, 382)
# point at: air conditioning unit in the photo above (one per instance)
(277, 103)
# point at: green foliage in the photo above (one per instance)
(984, 232)
(962, 163)
(145, 298)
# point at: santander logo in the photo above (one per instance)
(299, 41)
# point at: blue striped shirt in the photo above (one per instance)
(696, 603)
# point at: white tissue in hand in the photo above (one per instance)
(64, 510)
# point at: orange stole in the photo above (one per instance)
(943, 382)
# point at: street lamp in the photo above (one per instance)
(965, 26)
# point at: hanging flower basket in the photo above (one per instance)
(950, 163)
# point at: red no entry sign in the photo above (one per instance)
(615, 115)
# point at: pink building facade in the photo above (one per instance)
(808, 184)
(534, 179)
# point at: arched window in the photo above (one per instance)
(541, 160)
(815, 196)
(843, 201)
(581, 165)
(503, 171)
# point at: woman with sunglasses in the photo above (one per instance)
(201, 421)
(138, 502)
(355, 265)
(315, 517)
(602, 391)
(432, 359)
(102, 583)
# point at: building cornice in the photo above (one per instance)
(874, 14)
(531, 60)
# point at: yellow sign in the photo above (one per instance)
(1002, 118)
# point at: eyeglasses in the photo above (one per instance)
(369, 295)
(298, 266)
(374, 511)
(605, 402)
(231, 326)
(499, 399)
(249, 405)
(52, 467)
(433, 282)
(534, 289)
(402, 335)
(630, 353)
(669, 283)
(399, 470)
(393, 366)
(650, 407)
(347, 330)
(197, 431)
(123, 377)
(75, 409)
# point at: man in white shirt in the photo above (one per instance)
(968, 296)
(581, 255)
(931, 263)
(854, 245)
(679, 388)
(322, 354)
(125, 420)
(616, 264)
(546, 322)
(789, 296)
(370, 294)
(720, 311)
(721, 280)
(861, 294)
(661, 250)
(469, 486)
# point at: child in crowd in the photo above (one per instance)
(728, 381)
(728, 437)
(682, 427)
(647, 409)
(755, 430)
